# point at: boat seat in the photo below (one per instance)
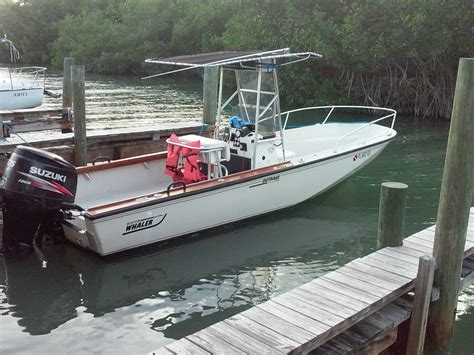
(211, 152)
(192, 167)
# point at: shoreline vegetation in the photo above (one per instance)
(401, 54)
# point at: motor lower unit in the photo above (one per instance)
(36, 186)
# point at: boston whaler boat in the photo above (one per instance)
(20, 87)
(254, 164)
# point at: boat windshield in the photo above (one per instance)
(256, 101)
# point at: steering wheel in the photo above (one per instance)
(222, 132)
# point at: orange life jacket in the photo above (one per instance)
(172, 159)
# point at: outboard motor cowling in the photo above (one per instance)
(35, 186)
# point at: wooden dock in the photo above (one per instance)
(34, 119)
(354, 309)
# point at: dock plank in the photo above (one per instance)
(359, 285)
(394, 253)
(408, 269)
(242, 340)
(213, 344)
(404, 249)
(263, 334)
(427, 234)
(278, 325)
(294, 317)
(347, 290)
(419, 240)
(372, 278)
(316, 313)
(321, 302)
(413, 245)
(320, 291)
(358, 264)
(162, 351)
(185, 347)
(427, 240)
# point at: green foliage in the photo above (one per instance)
(402, 53)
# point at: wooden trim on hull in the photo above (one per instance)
(121, 162)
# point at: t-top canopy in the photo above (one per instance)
(230, 57)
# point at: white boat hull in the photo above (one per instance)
(21, 99)
(217, 206)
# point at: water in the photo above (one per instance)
(67, 300)
(124, 102)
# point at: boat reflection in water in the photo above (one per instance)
(42, 294)
(198, 279)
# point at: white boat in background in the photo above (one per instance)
(254, 164)
(20, 87)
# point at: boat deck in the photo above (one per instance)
(364, 292)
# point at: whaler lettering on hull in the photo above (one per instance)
(141, 224)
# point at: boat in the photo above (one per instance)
(255, 163)
(20, 87)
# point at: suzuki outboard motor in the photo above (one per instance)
(35, 187)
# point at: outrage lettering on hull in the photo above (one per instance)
(267, 180)
(47, 174)
(141, 224)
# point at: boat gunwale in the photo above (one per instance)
(93, 214)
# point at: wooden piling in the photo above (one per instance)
(211, 75)
(421, 305)
(79, 107)
(67, 91)
(391, 214)
(67, 83)
(453, 210)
